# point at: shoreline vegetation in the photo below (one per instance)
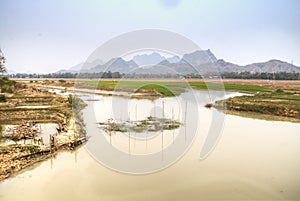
(26, 103)
(269, 100)
(271, 105)
(24, 108)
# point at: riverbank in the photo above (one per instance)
(148, 89)
(22, 140)
(278, 105)
(244, 143)
(270, 100)
(16, 157)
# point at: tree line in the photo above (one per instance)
(266, 76)
(68, 75)
(232, 75)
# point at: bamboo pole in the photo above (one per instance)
(129, 135)
(162, 145)
(162, 132)
(173, 123)
(185, 120)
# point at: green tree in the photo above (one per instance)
(2, 62)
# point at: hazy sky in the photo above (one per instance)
(45, 36)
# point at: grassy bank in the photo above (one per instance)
(158, 88)
(246, 88)
(266, 102)
(169, 88)
(268, 97)
(277, 103)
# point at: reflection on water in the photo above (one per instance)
(174, 108)
(43, 131)
(255, 159)
(124, 109)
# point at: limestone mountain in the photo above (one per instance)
(202, 61)
(148, 59)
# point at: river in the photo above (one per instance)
(253, 159)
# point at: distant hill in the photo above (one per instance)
(272, 66)
(174, 59)
(199, 57)
(73, 69)
(114, 65)
(148, 59)
(199, 61)
(81, 66)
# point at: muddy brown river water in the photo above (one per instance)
(253, 160)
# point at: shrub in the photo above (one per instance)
(2, 98)
(279, 90)
(6, 89)
(6, 85)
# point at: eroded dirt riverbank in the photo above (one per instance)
(26, 108)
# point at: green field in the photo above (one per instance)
(278, 103)
(169, 88)
(264, 101)
(228, 87)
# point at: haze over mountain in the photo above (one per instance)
(148, 59)
(202, 61)
(173, 59)
(113, 65)
(199, 57)
(81, 66)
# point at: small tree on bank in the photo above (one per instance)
(2, 62)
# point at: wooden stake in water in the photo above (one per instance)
(51, 162)
(109, 131)
(136, 112)
(162, 145)
(163, 110)
(162, 132)
(154, 109)
(147, 140)
(172, 116)
(135, 120)
(40, 130)
(185, 120)
(173, 123)
(75, 154)
(129, 134)
(146, 135)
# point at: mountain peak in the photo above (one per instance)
(164, 62)
(148, 59)
(202, 60)
(199, 57)
(174, 59)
